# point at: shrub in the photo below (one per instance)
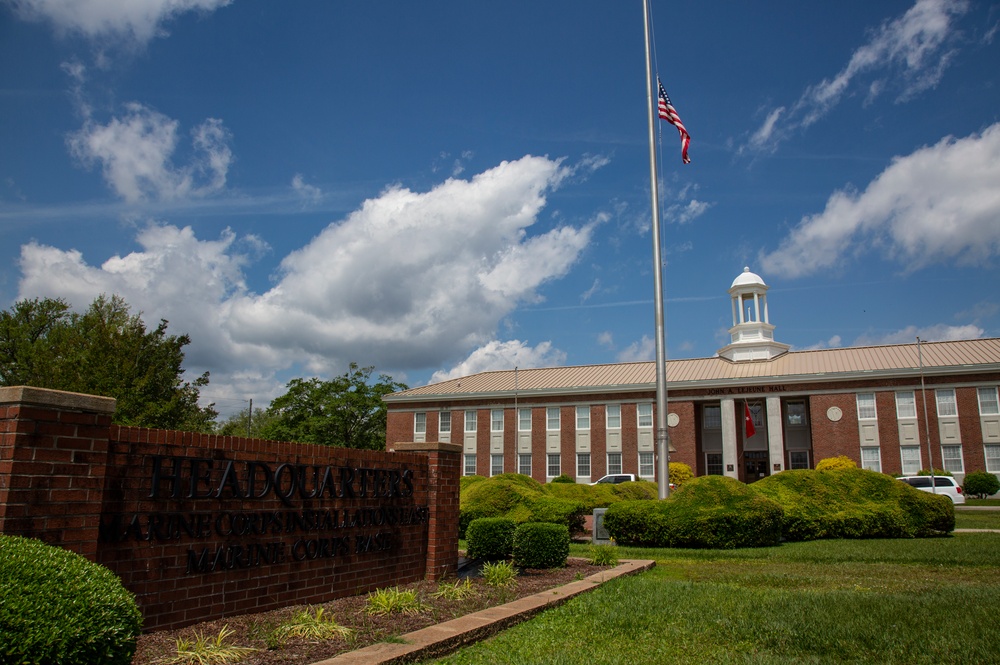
(465, 481)
(712, 512)
(639, 490)
(57, 607)
(603, 555)
(558, 511)
(500, 574)
(519, 498)
(839, 462)
(541, 545)
(854, 503)
(980, 484)
(490, 538)
(679, 473)
(933, 472)
(564, 478)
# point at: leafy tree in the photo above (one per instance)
(980, 484)
(346, 411)
(106, 351)
(240, 424)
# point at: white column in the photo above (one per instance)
(775, 439)
(729, 461)
(756, 307)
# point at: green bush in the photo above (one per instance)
(980, 484)
(541, 545)
(57, 607)
(833, 463)
(490, 538)
(854, 503)
(519, 498)
(465, 481)
(933, 472)
(679, 473)
(564, 478)
(639, 490)
(712, 512)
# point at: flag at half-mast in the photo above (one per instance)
(667, 112)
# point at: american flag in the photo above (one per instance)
(668, 113)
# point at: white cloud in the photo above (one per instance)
(134, 21)
(908, 54)
(135, 153)
(497, 355)
(936, 333)
(641, 351)
(408, 280)
(308, 192)
(938, 205)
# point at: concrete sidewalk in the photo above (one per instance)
(443, 638)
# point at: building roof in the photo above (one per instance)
(852, 363)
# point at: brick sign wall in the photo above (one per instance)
(202, 526)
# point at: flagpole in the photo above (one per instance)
(662, 434)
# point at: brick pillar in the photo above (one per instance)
(444, 462)
(53, 456)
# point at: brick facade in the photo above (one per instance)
(203, 526)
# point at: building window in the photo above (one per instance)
(796, 415)
(524, 464)
(524, 420)
(419, 423)
(496, 465)
(496, 420)
(646, 467)
(988, 404)
(906, 404)
(614, 414)
(871, 459)
(713, 464)
(952, 456)
(711, 417)
(910, 456)
(992, 452)
(946, 405)
(582, 418)
(797, 459)
(552, 419)
(470, 464)
(583, 465)
(444, 422)
(614, 463)
(866, 406)
(552, 465)
(645, 414)
(470, 421)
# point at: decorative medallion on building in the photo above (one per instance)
(834, 413)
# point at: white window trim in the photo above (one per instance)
(558, 412)
(519, 412)
(996, 459)
(548, 465)
(474, 421)
(441, 420)
(913, 403)
(639, 415)
(417, 429)
(618, 467)
(902, 460)
(961, 457)
(493, 420)
(579, 470)
(996, 401)
(652, 465)
(878, 450)
(874, 406)
(953, 402)
(607, 416)
(579, 410)
(493, 470)
(521, 457)
(468, 457)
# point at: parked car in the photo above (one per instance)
(615, 478)
(942, 485)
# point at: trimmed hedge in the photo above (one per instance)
(712, 512)
(834, 463)
(57, 607)
(980, 484)
(520, 498)
(854, 503)
(541, 545)
(679, 473)
(490, 538)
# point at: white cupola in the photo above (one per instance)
(752, 335)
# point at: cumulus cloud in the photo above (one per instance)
(937, 333)
(309, 193)
(408, 280)
(908, 55)
(497, 355)
(135, 21)
(641, 351)
(937, 205)
(135, 153)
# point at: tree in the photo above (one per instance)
(103, 351)
(240, 424)
(980, 484)
(346, 411)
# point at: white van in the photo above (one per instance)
(942, 485)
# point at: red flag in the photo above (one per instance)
(748, 420)
(667, 112)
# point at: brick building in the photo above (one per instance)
(754, 409)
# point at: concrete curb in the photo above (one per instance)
(443, 638)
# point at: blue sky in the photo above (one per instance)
(443, 188)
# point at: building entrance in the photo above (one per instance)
(754, 465)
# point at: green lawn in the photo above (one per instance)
(977, 519)
(874, 601)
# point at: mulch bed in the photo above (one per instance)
(251, 630)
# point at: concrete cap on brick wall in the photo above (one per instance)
(424, 447)
(59, 399)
